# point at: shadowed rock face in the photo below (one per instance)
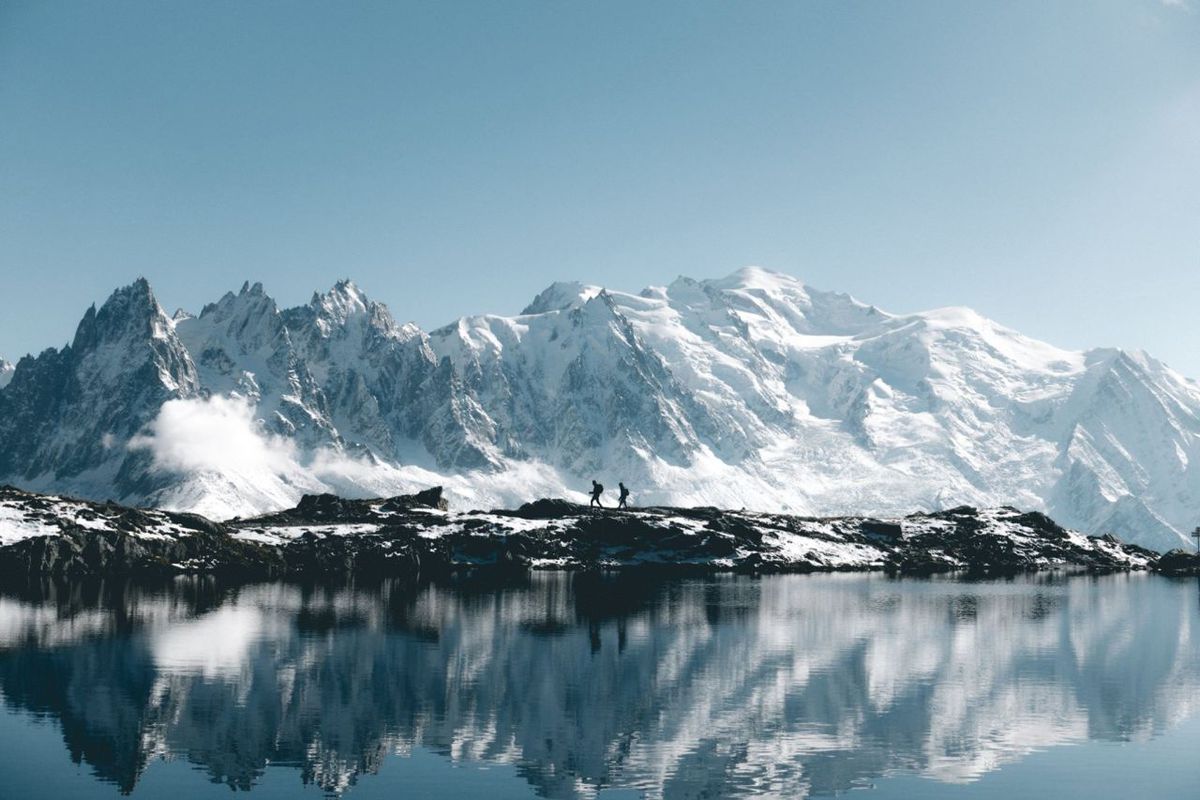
(684, 687)
(59, 409)
(412, 534)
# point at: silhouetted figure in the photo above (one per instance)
(624, 496)
(597, 490)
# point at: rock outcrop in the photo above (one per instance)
(1179, 563)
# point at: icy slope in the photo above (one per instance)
(752, 390)
(778, 395)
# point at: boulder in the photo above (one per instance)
(1179, 562)
(547, 508)
(428, 498)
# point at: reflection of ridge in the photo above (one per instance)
(99, 692)
(788, 685)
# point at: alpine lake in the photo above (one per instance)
(604, 685)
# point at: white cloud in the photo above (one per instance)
(219, 434)
(231, 466)
(216, 645)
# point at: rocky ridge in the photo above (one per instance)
(417, 534)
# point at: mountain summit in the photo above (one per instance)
(753, 391)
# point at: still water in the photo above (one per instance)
(573, 685)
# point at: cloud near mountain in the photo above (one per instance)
(215, 434)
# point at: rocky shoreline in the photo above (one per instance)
(417, 534)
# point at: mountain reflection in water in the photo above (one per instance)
(715, 686)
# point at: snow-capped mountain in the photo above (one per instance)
(750, 391)
(6, 372)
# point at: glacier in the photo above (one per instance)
(750, 391)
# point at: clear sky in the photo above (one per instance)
(1038, 161)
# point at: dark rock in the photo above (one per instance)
(84, 553)
(879, 529)
(915, 561)
(427, 498)
(547, 508)
(329, 508)
(373, 555)
(1179, 562)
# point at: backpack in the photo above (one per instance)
(598, 488)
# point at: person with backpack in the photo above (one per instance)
(597, 490)
(624, 495)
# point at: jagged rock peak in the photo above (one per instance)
(137, 296)
(343, 300)
(346, 302)
(250, 300)
(128, 312)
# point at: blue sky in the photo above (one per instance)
(1038, 161)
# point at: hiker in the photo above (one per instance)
(597, 490)
(624, 496)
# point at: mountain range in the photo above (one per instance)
(749, 391)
